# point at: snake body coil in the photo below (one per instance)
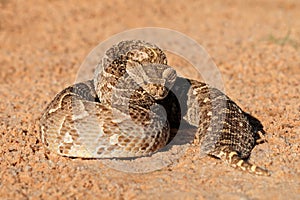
(134, 101)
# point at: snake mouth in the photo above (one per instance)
(157, 91)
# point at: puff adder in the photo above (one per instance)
(118, 113)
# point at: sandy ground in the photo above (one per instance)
(255, 45)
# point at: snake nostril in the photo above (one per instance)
(161, 92)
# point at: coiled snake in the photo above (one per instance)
(134, 101)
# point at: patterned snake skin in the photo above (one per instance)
(134, 101)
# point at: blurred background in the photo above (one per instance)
(255, 45)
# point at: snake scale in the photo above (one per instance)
(133, 102)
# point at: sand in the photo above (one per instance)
(254, 44)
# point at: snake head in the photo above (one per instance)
(155, 79)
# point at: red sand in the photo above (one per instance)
(254, 44)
